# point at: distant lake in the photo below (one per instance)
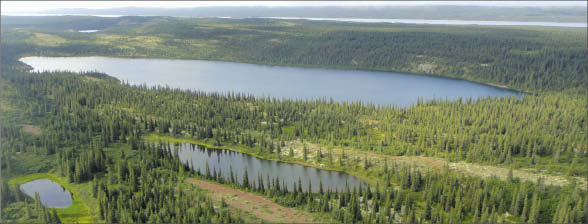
(444, 22)
(88, 31)
(226, 160)
(383, 88)
(413, 21)
(51, 194)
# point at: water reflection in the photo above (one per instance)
(226, 160)
(383, 88)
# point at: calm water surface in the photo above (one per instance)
(224, 160)
(88, 31)
(383, 88)
(52, 194)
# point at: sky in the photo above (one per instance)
(36, 6)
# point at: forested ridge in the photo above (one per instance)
(562, 14)
(95, 133)
(524, 58)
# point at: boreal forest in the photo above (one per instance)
(114, 144)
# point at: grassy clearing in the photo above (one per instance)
(79, 211)
(44, 39)
(32, 129)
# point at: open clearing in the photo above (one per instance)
(435, 163)
(252, 203)
(92, 79)
(32, 129)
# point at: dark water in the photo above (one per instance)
(52, 194)
(383, 88)
(224, 160)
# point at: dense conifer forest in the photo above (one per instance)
(112, 139)
(525, 58)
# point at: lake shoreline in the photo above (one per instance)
(158, 138)
(385, 82)
(78, 211)
(328, 67)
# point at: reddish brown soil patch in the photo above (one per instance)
(252, 203)
(35, 130)
(90, 78)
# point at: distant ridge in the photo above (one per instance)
(494, 13)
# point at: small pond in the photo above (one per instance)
(288, 173)
(52, 194)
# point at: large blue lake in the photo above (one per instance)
(383, 88)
